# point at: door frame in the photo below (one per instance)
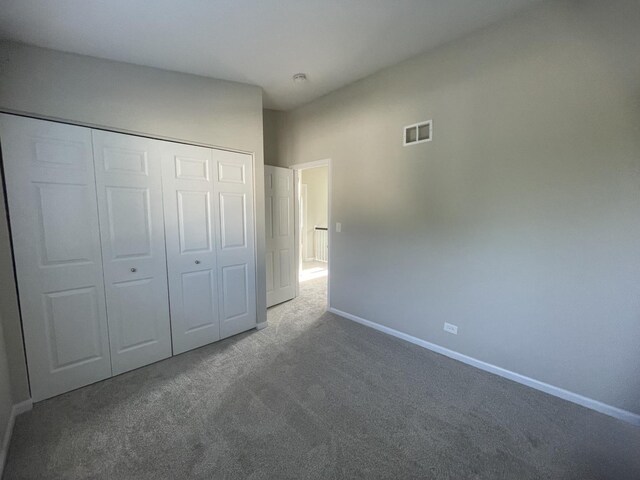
(297, 177)
(304, 214)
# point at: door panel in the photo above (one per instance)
(191, 255)
(280, 235)
(125, 160)
(54, 223)
(137, 329)
(236, 241)
(192, 168)
(199, 299)
(269, 269)
(231, 172)
(268, 210)
(73, 314)
(284, 215)
(129, 222)
(128, 179)
(233, 220)
(236, 296)
(64, 238)
(194, 221)
(285, 267)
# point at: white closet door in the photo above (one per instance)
(54, 223)
(236, 241)
(280, 256)
(129, 184)
(188, 178)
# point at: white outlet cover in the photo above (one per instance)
(338, 227)
(449, 327)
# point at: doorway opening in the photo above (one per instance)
(313, 221)
(298, 233)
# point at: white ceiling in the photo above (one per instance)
(261, 42)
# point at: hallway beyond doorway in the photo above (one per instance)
(313, 269)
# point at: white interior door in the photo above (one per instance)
(129, 185)
(236, 241)
(280, 252)
(54, 222)
(188, 181)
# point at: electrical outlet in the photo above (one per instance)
(338, 227)
(449, 327)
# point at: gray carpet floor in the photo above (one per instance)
(314, 396)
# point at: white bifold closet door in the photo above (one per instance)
(235, 244)
(188, 184)
(208, 205)
(129, 185)
(54, 219)
(109, 232)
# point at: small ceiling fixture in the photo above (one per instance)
(300, 78)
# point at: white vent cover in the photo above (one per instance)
(418, 133)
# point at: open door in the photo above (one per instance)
(280, 255)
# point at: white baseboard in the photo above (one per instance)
(261, 325)
(16, 410)
(22, 407)
(625, 415)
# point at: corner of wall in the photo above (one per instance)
(17, 409)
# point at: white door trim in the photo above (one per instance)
(304, 214)
(297, 167)
(314, 164)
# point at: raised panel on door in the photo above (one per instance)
(129, 184)
(269, 270)
(236, 241)
(199, 302)
(64, 239)
(280, 238)
(270, 266)
(194, 221)
(69, 315)
(129, 222)
(188, 185)
(136, 326)
(285, 268)
(54, 224)
(235, 284)
(233, 220)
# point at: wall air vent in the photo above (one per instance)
(418, 133)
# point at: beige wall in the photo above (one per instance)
(520, 222)
(134, 99)
(271, 123)
(316, 180)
